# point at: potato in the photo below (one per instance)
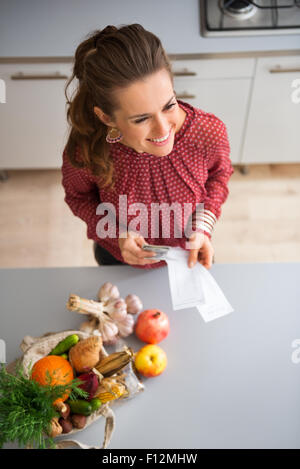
(78, 420)
(66, 425)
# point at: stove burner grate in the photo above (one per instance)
(238, 9)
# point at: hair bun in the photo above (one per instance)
(107, 31)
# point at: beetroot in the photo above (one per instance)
(90, 383)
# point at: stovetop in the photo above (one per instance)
(243, 17)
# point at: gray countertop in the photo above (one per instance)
(230, 383)
(55, 28)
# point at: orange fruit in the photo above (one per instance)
(53, 370)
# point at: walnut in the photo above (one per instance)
(55, 428)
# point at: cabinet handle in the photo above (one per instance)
(184, 73)
(284, 70)
(54, 76)
(185, 96)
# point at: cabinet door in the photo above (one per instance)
(226, 98)
(205, 69)
(33, 127)
(272, 134)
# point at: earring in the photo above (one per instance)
(111, 138)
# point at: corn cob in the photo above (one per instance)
(114, 362)
(110, 390)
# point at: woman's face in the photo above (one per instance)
(148, 110)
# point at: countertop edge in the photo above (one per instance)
(194, 56)
(238, 265)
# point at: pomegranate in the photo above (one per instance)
(152, 326)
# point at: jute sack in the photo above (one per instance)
(33, 349)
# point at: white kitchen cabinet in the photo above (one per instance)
(227, 99)
(214, 68)
(251, 95)
(33, 127)
(273, 128)
(221, 87)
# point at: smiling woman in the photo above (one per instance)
(153, 131)
(107, 64)
(130, 136)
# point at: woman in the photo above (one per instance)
(134, 148)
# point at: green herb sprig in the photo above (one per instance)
(26, 407)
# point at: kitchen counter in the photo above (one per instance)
(54, 29)
(230, 383)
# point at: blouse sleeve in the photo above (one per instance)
(82, 196)
(219, 170)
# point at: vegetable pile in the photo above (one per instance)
(61, 390)
(54, 401)
(26, 407)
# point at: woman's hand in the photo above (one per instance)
(201, 250)
(131, 249)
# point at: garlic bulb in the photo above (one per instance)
(118, 315)
(109, 314)
(108, 292)
(134, 304)
(117, 309)
(108, 330)
(126, 326)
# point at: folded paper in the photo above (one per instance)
(194, 287)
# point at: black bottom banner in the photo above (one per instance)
(123, 457)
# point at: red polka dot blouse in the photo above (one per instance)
(196, 171)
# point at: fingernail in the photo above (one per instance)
(191, 264)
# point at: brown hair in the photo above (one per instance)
(108, 59)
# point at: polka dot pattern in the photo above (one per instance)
(196, 171)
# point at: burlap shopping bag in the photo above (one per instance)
(33, 349)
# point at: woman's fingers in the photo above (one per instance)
(196, 241)
(206, 256)
(139, 258)
(193, 257)
(133, 253)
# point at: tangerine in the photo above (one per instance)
(53, 370)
